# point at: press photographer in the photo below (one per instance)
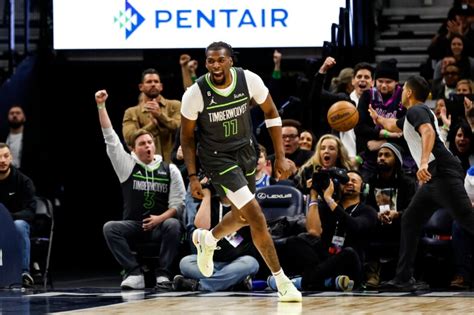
(336, 237)
(321, 179)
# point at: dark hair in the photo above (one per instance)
(219, 46)
(363, 66)
(291, 123)
(358, 173)
(138, 133)
(148, 71)
(419, 86)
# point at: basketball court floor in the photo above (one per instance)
(101, 295)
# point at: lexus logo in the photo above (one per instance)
(262, 195)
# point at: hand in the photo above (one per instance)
(373, 114)
(151, 222)
(277, 59)
(454, 26)
(153, 108)
(374, 145)
(384, 217)
(446, 119)
(423, 174)
(192, 66)
(328, 64)
(184, 59)
(196, 188)
(179, 153)
(101, 96)
(329, 191)
(467, 104)
(282, 168)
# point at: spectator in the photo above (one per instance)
(330, 152)
(262, 177)
(307, 140)
(447, 86)
(16, 121)
(461, 143)
(234, 262)
(391, 181)
(154, 113)
(440, 68)
(153, 193)
(331, 253)
(361, 81)
(343, 82)
(17, 194)
(296, 157)
(463, 61)
(385, 99)
(321, 99)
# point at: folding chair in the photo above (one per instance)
(41, 238)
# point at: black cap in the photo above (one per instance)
(387, 69)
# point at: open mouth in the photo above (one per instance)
(326, 158)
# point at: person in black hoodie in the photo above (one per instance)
(390, 191)
(17, 194)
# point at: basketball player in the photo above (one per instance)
(439, 172)
(218, 105)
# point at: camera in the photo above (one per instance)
(321, 177)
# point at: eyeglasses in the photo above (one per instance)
(290, 137)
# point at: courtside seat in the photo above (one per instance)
(280, 201)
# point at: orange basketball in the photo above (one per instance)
(343, 116)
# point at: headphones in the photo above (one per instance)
(364, 187)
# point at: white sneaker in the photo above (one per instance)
(133, 282)
(162, 279)
(287, 292)
(205, 253)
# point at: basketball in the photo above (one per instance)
(343, 116)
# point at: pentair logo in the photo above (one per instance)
(130, 19)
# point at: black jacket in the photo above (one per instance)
(17, 193)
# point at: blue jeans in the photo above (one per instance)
(118, 234)
(190, 209)
(23, 229)
(226, 274)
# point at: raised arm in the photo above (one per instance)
(100, 98)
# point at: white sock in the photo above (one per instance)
(280, 277)
(210, 240)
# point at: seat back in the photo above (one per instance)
(439, 226)
(278, 201)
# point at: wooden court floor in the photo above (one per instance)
(224, 303)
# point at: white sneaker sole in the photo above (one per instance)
(207, 269)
